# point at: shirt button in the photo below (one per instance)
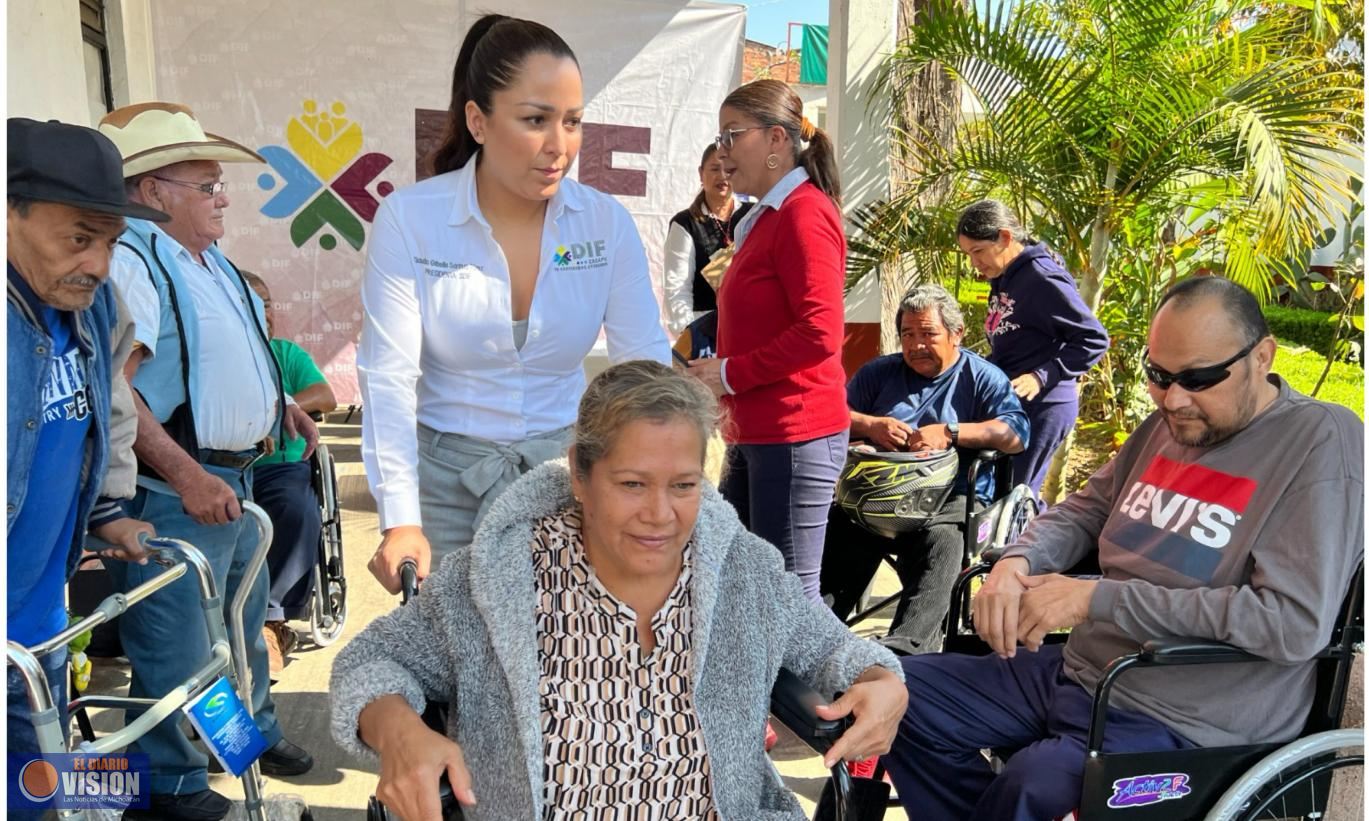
(646, 745)
(41, 350)
(31, 425)
(536, 334)
(644, 713)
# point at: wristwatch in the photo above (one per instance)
(953, 430)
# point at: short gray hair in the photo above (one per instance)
(984, 220)
(927, 296)
(639, 389)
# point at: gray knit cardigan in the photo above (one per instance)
(471, 641)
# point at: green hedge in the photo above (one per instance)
(1311, 329)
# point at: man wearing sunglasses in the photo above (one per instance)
(1233, 514)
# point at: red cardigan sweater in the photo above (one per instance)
(781, 320)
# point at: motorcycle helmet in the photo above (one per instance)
(892, 493)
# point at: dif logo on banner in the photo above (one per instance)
(79, 781)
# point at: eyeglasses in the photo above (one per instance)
(212, 189)
(724, 140)
(1194, 380)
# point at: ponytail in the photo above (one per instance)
(491, 56)
(819, 159)
(771, 102)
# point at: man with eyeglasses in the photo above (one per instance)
(1234, 514)
(210, 402)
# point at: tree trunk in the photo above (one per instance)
(1091, 290)
(931, 107)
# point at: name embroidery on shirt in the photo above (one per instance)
(440, 269)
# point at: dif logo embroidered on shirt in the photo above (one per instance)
(79, 781)
(1196, 508)
(591, 254)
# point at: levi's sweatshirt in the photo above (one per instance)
(1252, 542)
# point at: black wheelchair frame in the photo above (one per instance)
(1232, 782)
(328, 602)
(984, 528)
(792, 702)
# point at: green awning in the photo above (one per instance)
(813, 62)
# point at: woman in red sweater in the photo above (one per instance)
(780, 325)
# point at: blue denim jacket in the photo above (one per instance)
(29, 349)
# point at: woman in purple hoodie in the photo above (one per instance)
(1040, 331)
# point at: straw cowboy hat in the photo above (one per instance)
(155, 135)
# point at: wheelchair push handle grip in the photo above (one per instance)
(408, 580)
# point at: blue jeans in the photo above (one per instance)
(20, 737)
(164, 635)
(958, 705)
(782, 493)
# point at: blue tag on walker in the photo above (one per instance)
(226, 727)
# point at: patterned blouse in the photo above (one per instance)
(622, 739)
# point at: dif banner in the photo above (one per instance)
(78, 781)
(345, 99)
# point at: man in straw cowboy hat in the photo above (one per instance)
(209, 402)
(66, 343)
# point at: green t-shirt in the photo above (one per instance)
(297, 372)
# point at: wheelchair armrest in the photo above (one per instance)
(992, 555)
(989, 455)
(317, 416)
(792, 702)
(1190, 651)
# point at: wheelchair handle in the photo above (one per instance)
(408, 580)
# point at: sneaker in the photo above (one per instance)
(205, 805)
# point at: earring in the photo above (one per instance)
(772, 161)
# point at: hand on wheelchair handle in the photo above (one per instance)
(414, 760)
(403, 543)
(878, 700)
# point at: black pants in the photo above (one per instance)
(928, 562)
(287, 495)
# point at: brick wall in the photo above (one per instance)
(761, 61)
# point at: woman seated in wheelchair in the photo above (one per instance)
(925, 411)
(609, 640)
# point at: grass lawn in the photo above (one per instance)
(1301, 367)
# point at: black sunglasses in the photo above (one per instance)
(1193, 380)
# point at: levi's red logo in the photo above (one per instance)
(1194, 503)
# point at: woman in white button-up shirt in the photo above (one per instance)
(486, 285)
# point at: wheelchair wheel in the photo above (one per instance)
(1294, 781)
(1020, 508)
(328, 608)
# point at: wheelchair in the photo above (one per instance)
(328, 602)
(792, 702)
(1244, 782)
(995, 524)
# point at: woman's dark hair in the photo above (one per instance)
(771, 102)
(986, 218)
(491, 56)
(696, 208)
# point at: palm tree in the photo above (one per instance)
(1231, 119)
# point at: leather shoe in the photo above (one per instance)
(286, 759)
(205, 805)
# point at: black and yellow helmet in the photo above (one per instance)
(892, 493)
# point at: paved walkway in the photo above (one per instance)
(338, 787)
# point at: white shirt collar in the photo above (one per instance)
(466, 203)
(773, 199)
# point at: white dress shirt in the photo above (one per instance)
(437, 344)
(677, 279)
(237, 403)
